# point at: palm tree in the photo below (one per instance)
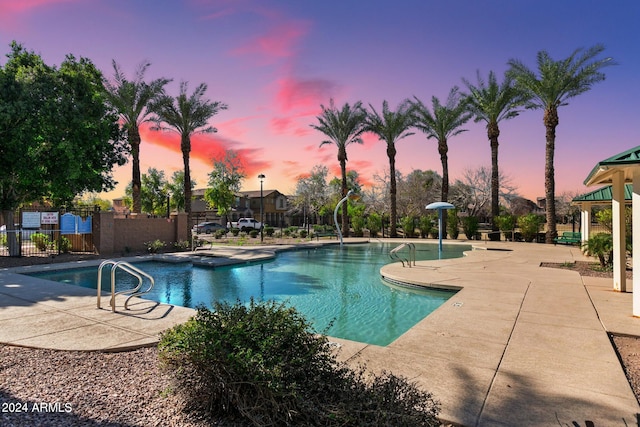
(443, 123)
(342, 127)
(391, 127)
(557, 82)
(492, 102)
(131, 100)
(186, 115)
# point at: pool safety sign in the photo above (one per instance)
(35, 219)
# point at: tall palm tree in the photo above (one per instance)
(186, 115)
(442, 124)
(391, 126)
(493, 102)
(342, 127)
(555, 83)
(131, 100)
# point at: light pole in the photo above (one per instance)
(261, 177)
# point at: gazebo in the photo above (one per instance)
(617, 171)
(600, 197)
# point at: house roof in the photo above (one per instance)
(626, 162)
(603, 195)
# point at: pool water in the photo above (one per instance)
(339, 291)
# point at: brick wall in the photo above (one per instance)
(126, 235)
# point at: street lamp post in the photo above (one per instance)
(261, 177)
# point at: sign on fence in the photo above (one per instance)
(49, 217)
(30, 219)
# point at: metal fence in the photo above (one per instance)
(45, 232)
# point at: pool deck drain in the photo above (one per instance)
(517, 345)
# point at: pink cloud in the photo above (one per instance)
(296, 94)
(9, 9)
(278, 43)
(206, 148)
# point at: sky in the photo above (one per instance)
(275, 62)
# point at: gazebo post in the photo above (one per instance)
(619, 238)
(635, 206)
(585, 221)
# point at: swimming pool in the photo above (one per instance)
(339, 290)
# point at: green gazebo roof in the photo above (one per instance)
(603, 195)
(624, 162)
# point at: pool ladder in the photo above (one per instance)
(124, 266)
(394, 254)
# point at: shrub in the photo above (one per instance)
(506, 224)
(235, 231)
(425, 225)
(41, 241)
(63, 244)
(155, 246)
(358, 223)
(407, 226)
(269, 231)
(601, 245)
(219, 234)
(254, 233)
(183, 245)
(470, 226)
(262, 362)
(374, 224)
(3, 239)
(303, 233)
(530, 226)
(453, 224)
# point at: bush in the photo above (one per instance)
(530, 226)
(155, 246)
(303, 233)
(63, 244)
(425, 226)
(601, 246)
(254, 233)
(407, 226)
(262, 362)
(374, 224)
(219, 234)
(358, 222)
(183, 245)
(41, 241)
(268, 230)
(470, 226)
(235, 231)
(506, 224)
(453, 224)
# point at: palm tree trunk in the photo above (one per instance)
(550, 123)
(345, 218)
(493, 132)
(185, 145)
(136, 184)
(443, 149)
(391, 153)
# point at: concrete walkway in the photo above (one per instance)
(517, 345)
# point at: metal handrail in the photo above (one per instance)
(393, 254)
(125, 266)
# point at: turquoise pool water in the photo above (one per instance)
(339, 290)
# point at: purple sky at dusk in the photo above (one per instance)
(275, 62)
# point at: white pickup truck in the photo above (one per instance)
(245, 224)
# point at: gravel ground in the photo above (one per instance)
(68, 388)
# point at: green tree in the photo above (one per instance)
(444, 122)
(493, 102)
(59, 137)
(343, 127)
(224, 182)
(131, 98)
(390, 127)
(175, 187)
(186, 115)
(556, 83)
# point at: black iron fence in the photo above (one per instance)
(44, 232)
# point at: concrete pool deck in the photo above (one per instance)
(519, 344)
